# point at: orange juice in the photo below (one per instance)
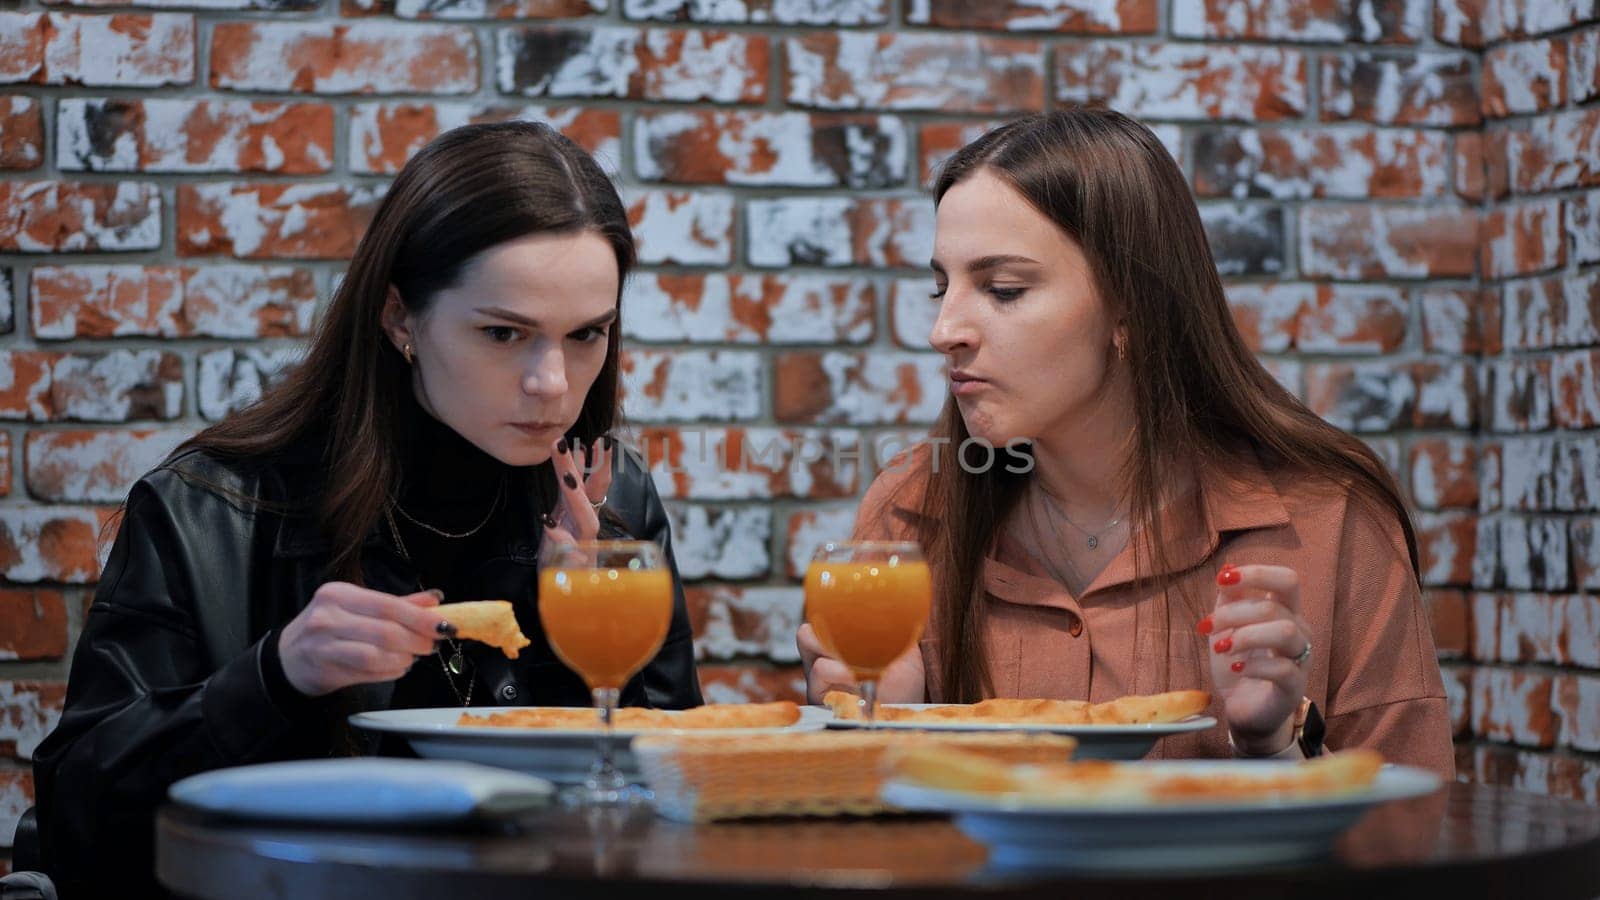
(867, 613)
(605, 624)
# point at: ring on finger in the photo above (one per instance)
(1304, 655)
(599, 503)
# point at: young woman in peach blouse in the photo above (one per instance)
(1185, 522)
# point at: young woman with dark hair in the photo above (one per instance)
(284, 567)
(1186, 522)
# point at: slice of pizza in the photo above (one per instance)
(490, 621)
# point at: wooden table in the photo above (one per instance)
(1463, 841)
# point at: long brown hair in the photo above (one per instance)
(1200, 397)
(470, 189)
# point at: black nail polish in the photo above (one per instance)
(446, 629)
(562, 446)
(549, 520)
(569, 481)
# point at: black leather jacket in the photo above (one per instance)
(167, 680)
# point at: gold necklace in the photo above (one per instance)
(457, 662)
(500, 495)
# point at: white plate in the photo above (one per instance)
(1033, 832)
(1121, 742)
(361, 790)
(560, 754)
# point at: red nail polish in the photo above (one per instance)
(1223, 646)
(1205, 626)
(1228, 576)
(1228, 566)
(1237, 667)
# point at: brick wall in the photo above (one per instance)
(1395, 191)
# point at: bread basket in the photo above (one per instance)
(706, 778)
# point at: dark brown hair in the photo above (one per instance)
(1200, 397)
(469, 190)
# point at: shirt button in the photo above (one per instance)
(1076, 628)
(509, 692)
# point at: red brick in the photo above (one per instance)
(1530, 628)
(1446, 543)
(733, 622)
(1352, 319)
(750, 309)
(1315, 21)
(633, 63)
(1365, 396)
(1485, 620)
(1369, 242)
(1185, 81)
(1450, 618)
(839, 231)
(1490, 461)
(357, 58)
(1458, 694)
(692, 385)
(878, 388)
(123, 50)
(492, 9)
(171, 301)
(1289, 373)
(383, 136)
(49, 543)
(709, 463)
(1245, 239)
(1412, 88)
(1584, 59)
(1534, 555)
(752, 684)
(1491, 322)
(33, 624)
(1523, 239)
(119, 386)
(16, 795)
(21, 133)
(1447, 394)
(119, 135)
(1451, 320)
(1460, 22)
(1524, 78)
(1268, 315)
(63, 216)
(29, 710)
(1577, 389)
(721, 542)
(1577, 701)
(938, 141)
(770, 149)
(811, 528)
(778, 12)
(1528, 473)
(1513, 706)
(5, 464)
(861, 70)
(1482, 169)
(1583, 227)
(1554, 311)
(912, 313)
(1584, 537)
(1518, 394)
(93, 466)
(1067, 16)
(1297, 163)
(258, 220)
(1555, 152)
(1444, 473)
(229, 380)
(680, 227)
(7, 297)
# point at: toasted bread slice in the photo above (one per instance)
(489, 621)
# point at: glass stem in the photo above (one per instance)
(869, 702)
(605, 778)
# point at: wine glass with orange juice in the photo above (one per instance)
(868, 602)
(605, 607)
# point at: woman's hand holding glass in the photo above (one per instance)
(866, 605)
(1259, 654)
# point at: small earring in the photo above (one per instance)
(406, 352)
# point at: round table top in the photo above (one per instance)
(1464, 840)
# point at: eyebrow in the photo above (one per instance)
(985, 263)
(603, 319)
